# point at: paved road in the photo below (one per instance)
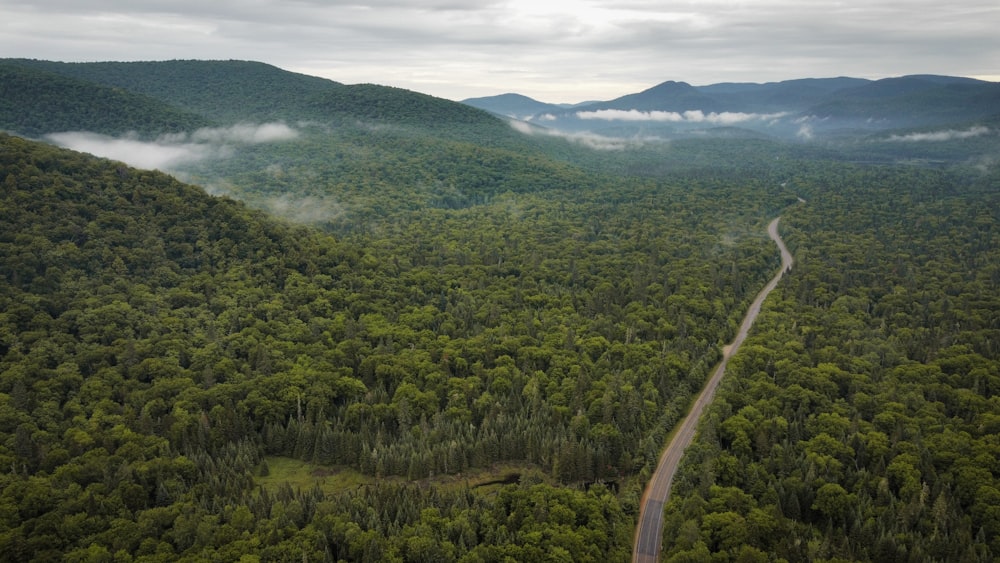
(649, 532)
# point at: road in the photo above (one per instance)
(649, 532)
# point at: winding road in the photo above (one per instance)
(648, 534)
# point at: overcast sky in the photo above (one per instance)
(551, 50)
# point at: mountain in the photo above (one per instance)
(34, 102)
(780, 109)
(789, 95)
(223, 91)
(905, 85)
(668, 96)
(400, 106)
(170, 96)
(229, 93)
(914, 100)
(196, 346)
(512, 105)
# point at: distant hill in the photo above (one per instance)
(788, 108)
(778, 96)
(915, 100)
(668, 96)
(513, 105)
(34, 102)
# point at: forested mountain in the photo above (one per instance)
(34, 101)
(915, 100)
(222, 91)
(154, 335)
(786, 95)
(668, 96)
(512, 105)
(474, 341)
(229, 92)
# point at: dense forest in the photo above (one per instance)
(410, 332)
(67, 104)
(861, 420)
(158, 343)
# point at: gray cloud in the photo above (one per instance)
(553, 51)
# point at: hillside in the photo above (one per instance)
(149, 327)
(222, 91)
(861, 421)
(34, 102)
(229, 92)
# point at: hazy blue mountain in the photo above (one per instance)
(911, 101)
(668, 96)
(787, 95)
(799, 108)
(513, 105)
(902, 85)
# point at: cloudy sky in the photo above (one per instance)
(551, 50)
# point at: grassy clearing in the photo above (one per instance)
(302, 475)
(339, 479)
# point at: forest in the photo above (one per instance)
(476, 343)
(860, 422)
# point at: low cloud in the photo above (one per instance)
(155, 155)
(173, 150)
(245, 134)
(940, 136)
(690, 116)
(587, 139)
(309, 209)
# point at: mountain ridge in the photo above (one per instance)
(34, 101)
(780, 108)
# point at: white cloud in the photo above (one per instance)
(132, 151)
(173, 150)
(309, 209)
(587, 139)
(940, 136)
(246, 133)
(690, 116)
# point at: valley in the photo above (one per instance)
(358, 323)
